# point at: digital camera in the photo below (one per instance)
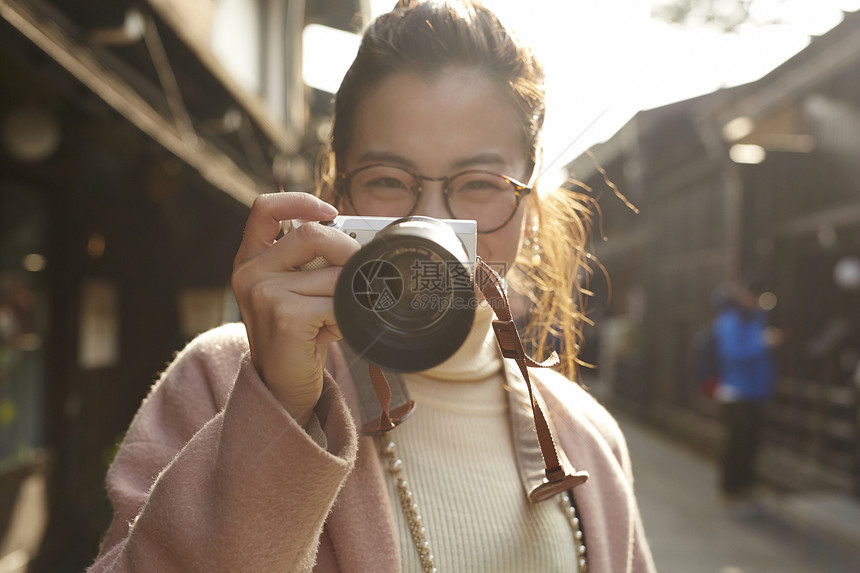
(406, 301)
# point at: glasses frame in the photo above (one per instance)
(520, 189)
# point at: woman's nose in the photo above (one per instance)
(431, 202)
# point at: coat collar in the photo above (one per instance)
(605, 502)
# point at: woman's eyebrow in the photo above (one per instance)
(487, 157)
(484, 158)
(378, 155)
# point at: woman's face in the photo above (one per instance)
(439, 127)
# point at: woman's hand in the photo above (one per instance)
(289, 313)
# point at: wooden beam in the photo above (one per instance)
(810, 222)
(216, 167)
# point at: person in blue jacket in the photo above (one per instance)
(747, 375)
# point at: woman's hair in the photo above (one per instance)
(428, 38)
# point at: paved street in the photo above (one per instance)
(690, 530)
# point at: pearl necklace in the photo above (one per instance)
(419, 532)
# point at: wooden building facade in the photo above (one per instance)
(135, 135)
(758, 180)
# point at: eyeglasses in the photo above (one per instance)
(387, 191)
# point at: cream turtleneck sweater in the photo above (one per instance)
(458, 456)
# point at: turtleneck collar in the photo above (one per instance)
(478, 357)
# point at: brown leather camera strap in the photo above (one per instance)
(558, 476)
(383, 400)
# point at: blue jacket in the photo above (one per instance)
(747, 371)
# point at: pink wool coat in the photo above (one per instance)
(214, 475)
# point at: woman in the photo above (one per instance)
(246, 457)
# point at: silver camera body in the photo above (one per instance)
(364, 230)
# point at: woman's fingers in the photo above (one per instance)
(306, 243)
(292, 251)
(318, 282)
(329, 333)
(302, 316)
(267, 212)
(287, 333)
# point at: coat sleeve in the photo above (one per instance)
(214, 475)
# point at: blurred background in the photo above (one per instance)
(134, 135)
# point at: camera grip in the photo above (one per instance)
(317, 263)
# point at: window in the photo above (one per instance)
(23, 322)
(236, 40)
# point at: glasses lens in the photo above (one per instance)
(382, 191)
(487, 198)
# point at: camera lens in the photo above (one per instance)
(406, 300)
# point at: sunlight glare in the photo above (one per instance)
(605, 61)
